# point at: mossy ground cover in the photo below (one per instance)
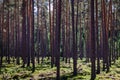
(45, 72)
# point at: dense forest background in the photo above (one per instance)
(59, 39)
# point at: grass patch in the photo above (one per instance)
(45, 72)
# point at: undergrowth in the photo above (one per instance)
(45, 72)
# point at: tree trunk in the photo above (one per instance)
(74, 41)
(32, 34)
(24, 32)
(57, 38)
(92, 32)
(97, 40)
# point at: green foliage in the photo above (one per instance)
(45, 72)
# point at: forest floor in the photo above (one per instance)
(45, 72)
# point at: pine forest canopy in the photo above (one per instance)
(61, 31)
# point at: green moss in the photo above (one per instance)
(11, 71)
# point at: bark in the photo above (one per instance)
(18, 37)
(52, 36)
(2, 43)
(38, 31)
(24, 32)
(92, 32)
(8, 40)
(74, 41)
(57, 38)
(32, 34)
(97, 40)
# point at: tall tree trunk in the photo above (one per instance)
(52, 36)
(8, 32)
(76, 33)
(57, 38)
(92, 32)
(111, 30)
(28, 32)
(32, 34)
(74, 41)
(38, 32)
(2, 43)
(24, 32)
(18, 37)
(97, 40)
